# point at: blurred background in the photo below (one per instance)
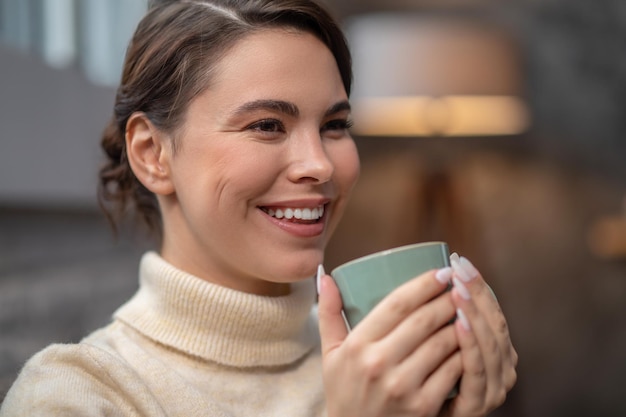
(496, 126)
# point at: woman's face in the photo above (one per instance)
(264, 166)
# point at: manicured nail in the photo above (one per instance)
(444, 275)
(462, 289)
(463, 319)
(318, 277)
(468, 267)
(454, 257)
(458, 269)
(464, 268)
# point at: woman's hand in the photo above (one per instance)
(402, 359)
(488, 356)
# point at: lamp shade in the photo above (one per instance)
(419, 76)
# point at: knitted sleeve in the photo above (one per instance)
(78, 380)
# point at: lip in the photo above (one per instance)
(298, 203)
(303, 230)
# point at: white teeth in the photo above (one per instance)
(297, 213)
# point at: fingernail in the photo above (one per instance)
(318, 277)
(458, 269)
(468, 267)
(462, 289)
(463, 319)
(454, 257)
(464, 268)
(444, 275)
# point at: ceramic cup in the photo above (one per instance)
(365, 281)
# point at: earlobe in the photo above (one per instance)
(148, 154)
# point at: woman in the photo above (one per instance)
(230, 137)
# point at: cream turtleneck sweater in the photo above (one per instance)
(183, 347)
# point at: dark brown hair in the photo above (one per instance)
(169, 61)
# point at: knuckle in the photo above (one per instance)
(453, 368)
(374, 364)
(423, 320)
(447, 342)
(423, 407)
(353, 347)
(493, 348)
(514, 356)
(499, 397)
(511, 379)
(479, 373)
(399, 306)
(501, 326)
(395, 388)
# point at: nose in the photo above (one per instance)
(309, 160)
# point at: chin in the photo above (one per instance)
(291, 265)
(300, 271)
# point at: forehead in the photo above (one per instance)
(270, 58)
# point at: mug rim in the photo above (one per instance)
(386, 252)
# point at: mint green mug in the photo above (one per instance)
(365, 281)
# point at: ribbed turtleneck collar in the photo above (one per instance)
(219, 324)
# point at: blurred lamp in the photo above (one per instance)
(422, 76)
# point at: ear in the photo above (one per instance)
(149, 154)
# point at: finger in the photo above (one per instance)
(481, 292)
(410, 375)
(473, 386)
(477, 337)
(333, 330)
(418, 328)
(401, 302)
(493, 315)
(487, 303)
(440, 384)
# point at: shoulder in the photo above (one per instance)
(76, 379)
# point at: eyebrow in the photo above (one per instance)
(286, 107)
(338, 107)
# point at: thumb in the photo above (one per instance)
(333, 329)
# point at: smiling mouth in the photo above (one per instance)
(305, 215)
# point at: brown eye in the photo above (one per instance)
(267, 125)
(337, 125)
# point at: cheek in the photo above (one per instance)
(345, 159)
(256, 166)
(237, 166)
(245, 174)
(347, 166)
